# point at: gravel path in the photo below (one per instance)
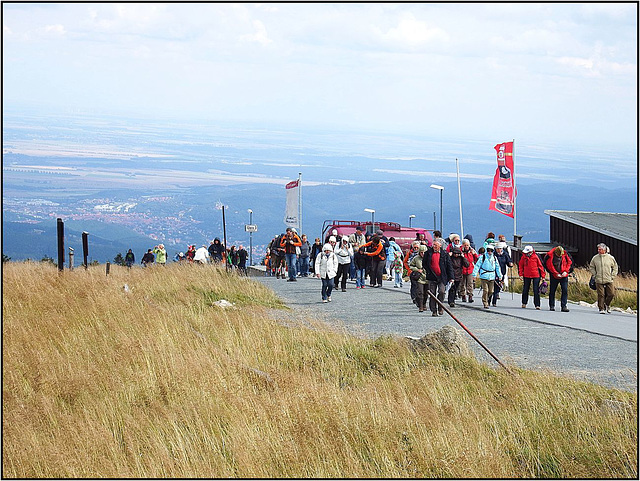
(526, 338)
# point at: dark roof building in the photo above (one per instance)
(583, 231)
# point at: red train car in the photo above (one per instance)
(402, 235)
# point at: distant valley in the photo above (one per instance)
(134, 185)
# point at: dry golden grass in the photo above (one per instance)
(159, 382)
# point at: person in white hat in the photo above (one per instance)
(326, 269)
(531, 270)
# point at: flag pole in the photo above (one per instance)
(513, 176)
(300, 202)
(459, 199)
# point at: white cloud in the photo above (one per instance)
(259, 35)
(413, 33)
(54, 30)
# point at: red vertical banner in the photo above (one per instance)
(503, 194)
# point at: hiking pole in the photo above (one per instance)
(442, 306)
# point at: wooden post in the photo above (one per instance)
(108, 266)
(60, 244)
(70, 258)
(85, 248)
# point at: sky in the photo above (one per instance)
(540, 72)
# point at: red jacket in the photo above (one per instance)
(472, 257)
(531, 266)
(565, 264)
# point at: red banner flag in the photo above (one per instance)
(503, 194)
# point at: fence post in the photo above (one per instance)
(70, 258)
(60, 245)
(108, 266)
(85, 248)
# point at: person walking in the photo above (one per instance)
(422, 284)
(466, 284)
(316, 249)
(216, 250)
(305, 250)
(161, 254)
(439, 272)
(559, 264)
(129, 259)
(191, 252)
(408, 257)
(459, 262)
(604, 269)
(202, 255)
(394, 262)
(504, 259)
(326, 268)
(357, 239)
(360, 261)
(375, 250)
(242, 260)
(530, 269)
(343, 252)
(148, 259)
(487, 269)
(289, 242)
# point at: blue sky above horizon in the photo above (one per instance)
(541, 72)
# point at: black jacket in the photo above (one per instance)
(446, 268)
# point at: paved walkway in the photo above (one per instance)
(581, 343)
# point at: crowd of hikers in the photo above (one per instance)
(216, 253)
(445, 267)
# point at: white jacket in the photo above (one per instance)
(344, 254)
(326, 266)
(202, 255)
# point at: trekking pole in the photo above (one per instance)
(442, 306)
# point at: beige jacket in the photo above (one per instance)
(604, 267)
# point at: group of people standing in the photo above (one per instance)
(215, 253)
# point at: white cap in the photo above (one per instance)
(527, 249)
(327, 247)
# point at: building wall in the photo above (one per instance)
(586, 240)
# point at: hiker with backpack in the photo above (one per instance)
(487, 268)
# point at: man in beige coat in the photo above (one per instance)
(604, 268)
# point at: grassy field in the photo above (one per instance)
(161, 382)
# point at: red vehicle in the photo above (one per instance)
(403, 235)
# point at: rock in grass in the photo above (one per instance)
(448, 339)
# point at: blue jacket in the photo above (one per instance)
(488, 267)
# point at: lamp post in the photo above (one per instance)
(250, 237)
(373, 219)
(411, 217)
(441, 189)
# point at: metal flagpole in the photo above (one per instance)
(300, 203)
(460, 200)
(513, 176)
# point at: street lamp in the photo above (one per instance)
(373, 218)
(441, 189)
(250, 237)
(411, 217)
